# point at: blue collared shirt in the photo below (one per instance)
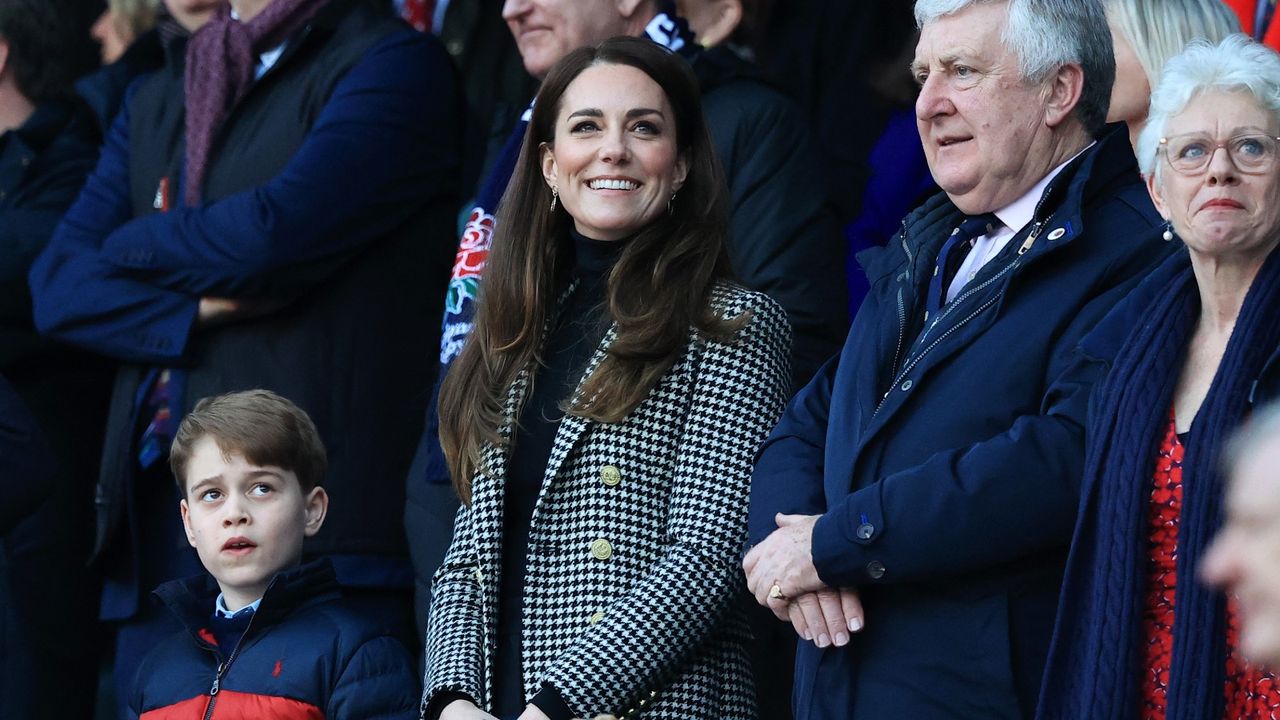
(220, 608)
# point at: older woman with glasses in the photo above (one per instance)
(1191, 354)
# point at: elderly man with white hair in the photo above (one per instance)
(928, 475)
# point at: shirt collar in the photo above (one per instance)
(220, 607)
(266, 58)
(1017, 214)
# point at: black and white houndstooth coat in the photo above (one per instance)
(635, 542)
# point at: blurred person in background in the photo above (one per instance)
(120, 24)
(1242, 559)
(820, 53)
(174, 21)
(48, 144)
(273, 209)
(493, 79)
(1137, 634)
(191, 15)
(1145, 34)
(722, 22)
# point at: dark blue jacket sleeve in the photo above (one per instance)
(787, 477)
(377, 151)
(81, 298)
(25, 463)
(972, 507)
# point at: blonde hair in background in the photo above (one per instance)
(133, 16)
(1160, 29)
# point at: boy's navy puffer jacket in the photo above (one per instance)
(304, 656)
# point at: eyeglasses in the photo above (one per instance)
(1190, 154)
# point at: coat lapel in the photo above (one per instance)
(573, 427)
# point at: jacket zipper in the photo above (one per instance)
(1026, 245)
(222, 670)
(902, 308)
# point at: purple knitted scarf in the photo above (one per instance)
(221, 58)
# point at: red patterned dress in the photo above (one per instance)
(1250, 693)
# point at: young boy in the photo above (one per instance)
(272, 638)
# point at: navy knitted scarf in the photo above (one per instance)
(1095, 663)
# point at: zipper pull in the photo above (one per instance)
(217, 678)
(1031, 239)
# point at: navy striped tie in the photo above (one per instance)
(953, 253)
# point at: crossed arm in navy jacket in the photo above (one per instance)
(130, 288)
(958, 510)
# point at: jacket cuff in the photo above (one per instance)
(442, 700)
(551, 702)
(845, 538)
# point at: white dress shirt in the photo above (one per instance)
(1014, 216)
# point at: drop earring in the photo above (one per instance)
(555, 196)
(1168, 231)
(669, 201)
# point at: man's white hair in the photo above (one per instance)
(1047, 34)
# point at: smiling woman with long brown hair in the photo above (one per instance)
(601, 421)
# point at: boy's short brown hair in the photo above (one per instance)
(264, 427)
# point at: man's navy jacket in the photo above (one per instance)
(328, 196)
(945, 453)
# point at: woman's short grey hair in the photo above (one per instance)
(1160, 29)
(1235, 64)
(1047, 34)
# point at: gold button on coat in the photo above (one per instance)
(597, 617)
(610, 475)
(601, 549)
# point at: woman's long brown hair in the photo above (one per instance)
(657, 290)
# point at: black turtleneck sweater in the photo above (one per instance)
(577, 331)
